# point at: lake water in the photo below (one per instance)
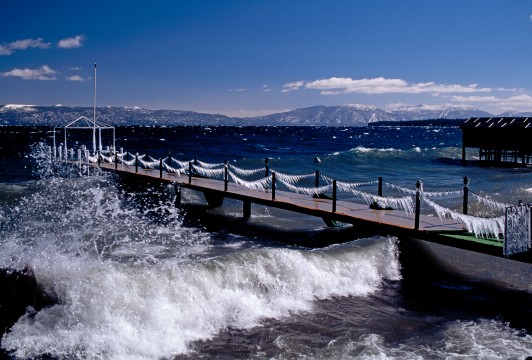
(138, 278)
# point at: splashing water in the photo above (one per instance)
(131, 285)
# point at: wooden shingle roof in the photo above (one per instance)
(498, 122)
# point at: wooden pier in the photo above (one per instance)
(380, 221)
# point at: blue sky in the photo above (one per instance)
(251, 57)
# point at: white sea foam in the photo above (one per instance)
(133, 288)
(482, 339)
(363, 149)
(124, 311)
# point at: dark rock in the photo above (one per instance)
(18, 291)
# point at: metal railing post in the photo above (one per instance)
(334, 197)
(379, 189)
(160, 168)
(136, 163)
(419, 189)
(226, 175)
(190, 172)
(466, 194)
(273, 185)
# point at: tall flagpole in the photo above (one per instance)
(94, 114)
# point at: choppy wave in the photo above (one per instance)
(132, 287)
(482, 339)
(135, 282)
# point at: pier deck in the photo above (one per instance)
(346, 211)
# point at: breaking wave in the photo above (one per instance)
(132, 287)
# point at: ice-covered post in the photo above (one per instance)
(379, 189)
(419, 189)
(116, 160)
(88, 163)
(160, 168)
(177, 188)
(80, 159)
(99, 158)
(226, 175)
(273, 185)
(466, 194)
(334, 197)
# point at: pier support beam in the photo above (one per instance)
(213, 199)
(330, 222)
(247, 209)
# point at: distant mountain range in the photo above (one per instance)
(343, 115)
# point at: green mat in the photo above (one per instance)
(468, 237)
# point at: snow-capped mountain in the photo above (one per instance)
(362, 115)
(418, 112)
(342, 115)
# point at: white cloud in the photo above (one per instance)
(530, 17)
(75, 78)
(71, 42)
(236, 90)
(380, 85)
(293, 86)
(517, 103)
(9, 49)
(42, 73)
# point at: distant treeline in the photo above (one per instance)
(429, 122)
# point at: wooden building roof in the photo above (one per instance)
(498, 122)
(499, 139)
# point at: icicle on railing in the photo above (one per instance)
(261, 184)
(304, 190)
(121, 155)
(491, 204)
(208, 172)
(128, 162)
(480, 227)
(92, 159)
(153, 163)
(182, 164)
(429, 194)
(245, 172)
(108, 159)
(206, 165)
(349, 186)
(179, 171)
(291, 179)
(404, 203)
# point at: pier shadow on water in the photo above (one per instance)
(429, 285)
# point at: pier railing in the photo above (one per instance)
(313, 184)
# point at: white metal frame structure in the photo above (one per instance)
(84, 123)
